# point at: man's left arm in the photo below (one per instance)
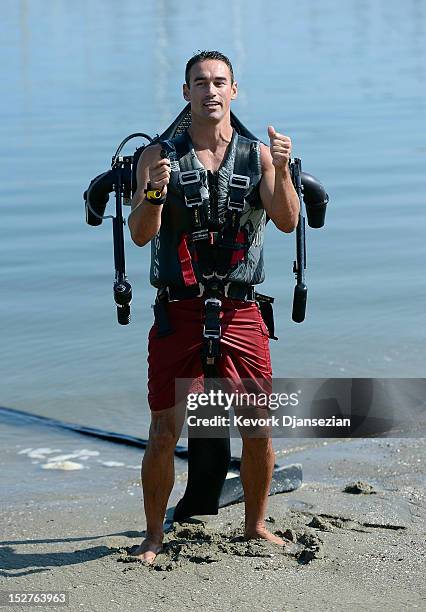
(279, 198)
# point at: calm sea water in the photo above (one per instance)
(346, 80)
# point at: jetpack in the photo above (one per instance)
(208, 459)
(121, 179)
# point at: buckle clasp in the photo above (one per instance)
(212, 325)
(239, 181)
(189, 177)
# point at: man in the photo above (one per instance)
(167, 219)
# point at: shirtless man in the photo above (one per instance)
(210, 87)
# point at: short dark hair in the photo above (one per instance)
(201, 56)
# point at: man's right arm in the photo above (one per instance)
(145, 218)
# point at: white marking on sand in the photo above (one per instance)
(82, 454)
(38, 453)
(62, 465)
(111, 463)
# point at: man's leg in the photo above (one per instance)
(246, 357)
(257, 465)
(158, 478)
(171, 357)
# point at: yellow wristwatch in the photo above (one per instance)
(154, 196)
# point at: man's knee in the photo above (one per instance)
(164, 432)
(163, 441)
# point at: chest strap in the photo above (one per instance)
(239, 184)
(194, 184)
(214, 258)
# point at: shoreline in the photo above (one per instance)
(361, 550)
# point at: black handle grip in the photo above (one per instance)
(122, 293)
(123, 314)
(299, 302)
(123, 297)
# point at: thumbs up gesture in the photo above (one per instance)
(280, 147)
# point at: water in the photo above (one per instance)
(345, 80)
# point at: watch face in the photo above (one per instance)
(153, 194)
(155, 197)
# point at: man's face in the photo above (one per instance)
(210, 92)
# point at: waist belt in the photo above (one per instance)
(213, 291)
(231, 290)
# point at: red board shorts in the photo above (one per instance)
(244, 347)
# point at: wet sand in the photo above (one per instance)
(362, 549)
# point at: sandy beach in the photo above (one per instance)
(362, 551)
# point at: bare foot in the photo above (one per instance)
(148, 550)
(261, 533)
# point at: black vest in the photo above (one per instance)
(166, 269)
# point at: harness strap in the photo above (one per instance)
(211, 331)
(265, 306)
(161, 316)
(239, 185)
(185, 259)
(196, 192)
(233, 291)
(240, 248)
(193, 181)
